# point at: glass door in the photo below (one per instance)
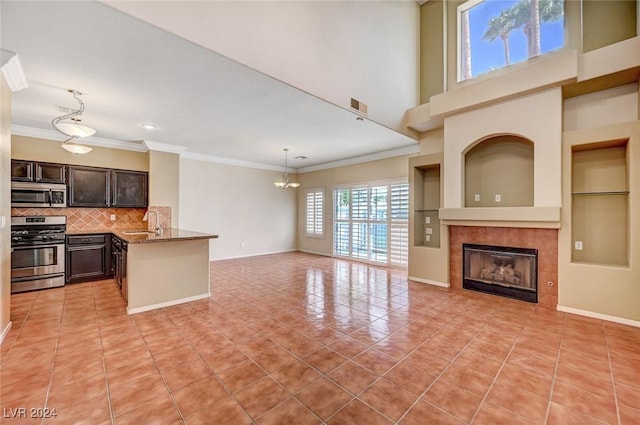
(370, 225)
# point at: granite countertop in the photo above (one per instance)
(168, 235)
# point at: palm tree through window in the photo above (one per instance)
(497, 33)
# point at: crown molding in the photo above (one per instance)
(392, 153)
(40, 133)
(230, 161)
(13, 72)
(163, 147)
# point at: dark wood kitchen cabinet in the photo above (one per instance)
(89, 187)
(50, 173)
(129, 189)
(88, 257)
(42, 172)
(103, 187)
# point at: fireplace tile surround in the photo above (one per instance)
(544, 240)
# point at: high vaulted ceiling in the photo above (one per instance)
(201, 102)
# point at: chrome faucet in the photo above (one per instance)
(146, 217)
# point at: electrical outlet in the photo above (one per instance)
(578, 245)
(498, 198)
(476, 197)
(113, 217)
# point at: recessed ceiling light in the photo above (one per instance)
(149, 126)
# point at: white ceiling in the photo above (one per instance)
(134, 73)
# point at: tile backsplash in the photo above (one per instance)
(91, 218)
(100, 218)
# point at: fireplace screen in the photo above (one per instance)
(507, 271)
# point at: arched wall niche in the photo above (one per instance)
(499, 172)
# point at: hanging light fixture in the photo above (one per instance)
(73, 129)
(285, 183)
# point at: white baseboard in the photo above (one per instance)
(600, 316)
(168, 303)
(252, 255)
(5, 331)
(314, 252)
(430, 282)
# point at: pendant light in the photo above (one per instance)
(73, 129)
(285, 183)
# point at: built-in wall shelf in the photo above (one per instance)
(426, 195)
(600, 204)
(428, 236)
(619, 192)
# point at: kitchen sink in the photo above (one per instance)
(137, 232)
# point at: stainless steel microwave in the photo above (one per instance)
(38, 195)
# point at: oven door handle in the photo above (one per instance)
(53, 245)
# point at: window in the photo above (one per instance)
(371, 223)
(493, 34)
(314, 206)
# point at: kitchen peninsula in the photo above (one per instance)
(163, 270)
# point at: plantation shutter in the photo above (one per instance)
(399, 228)
(314, 203)
(371, 223)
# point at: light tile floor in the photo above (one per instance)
(301, 339)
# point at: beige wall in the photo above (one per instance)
(5, 207)
(432, 54)
(45, 150)
(164, 182)
(601, 108)
(161, 274)
(239, 204)
(385, 169)
(618, 17)
(514, 117)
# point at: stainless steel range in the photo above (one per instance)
(37, 252)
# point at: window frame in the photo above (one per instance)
(470, 4)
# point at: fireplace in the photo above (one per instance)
(507, 271)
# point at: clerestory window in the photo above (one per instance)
(493, 34)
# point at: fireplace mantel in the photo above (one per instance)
(529, 217)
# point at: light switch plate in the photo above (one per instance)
(578, 245)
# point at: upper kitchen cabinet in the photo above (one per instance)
(129, 189)
(89, 187)
(42, 172)
(103, 187)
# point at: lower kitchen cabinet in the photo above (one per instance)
(88, 257)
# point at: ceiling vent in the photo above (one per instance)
(359, 106)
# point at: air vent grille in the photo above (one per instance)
(359, 106)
